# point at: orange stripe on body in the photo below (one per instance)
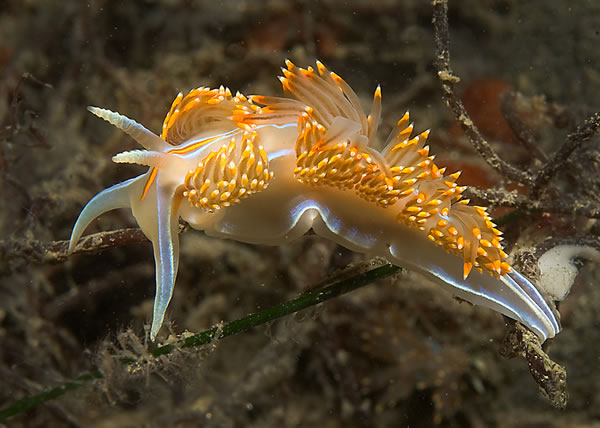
(193, 146)
(180, 151)
(149, 182)
(265, 117)
(177, 201)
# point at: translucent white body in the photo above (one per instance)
(285, 210)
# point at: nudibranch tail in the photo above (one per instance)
(546, 312)
(510, 294)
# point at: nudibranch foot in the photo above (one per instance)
(156, 217)
(267, 169)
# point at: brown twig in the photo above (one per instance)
(12, 124)
(448, 80)
(419, 84)
(57, 251)
(523, 133)
(550, 376)
(583, 133)
(504, 198)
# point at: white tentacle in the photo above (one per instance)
(145, 137)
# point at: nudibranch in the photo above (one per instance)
(266, 170)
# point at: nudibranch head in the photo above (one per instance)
(266, 169)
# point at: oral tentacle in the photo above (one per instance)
(117, 196)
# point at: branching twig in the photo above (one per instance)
(12, 125)
(524, 135)
(583, 133)
(550, 376)
(449, 79)
(504, 198)
(56, 251)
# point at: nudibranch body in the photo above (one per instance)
(266, 170)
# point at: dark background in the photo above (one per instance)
(396, 353)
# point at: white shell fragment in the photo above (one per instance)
(558, 271)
